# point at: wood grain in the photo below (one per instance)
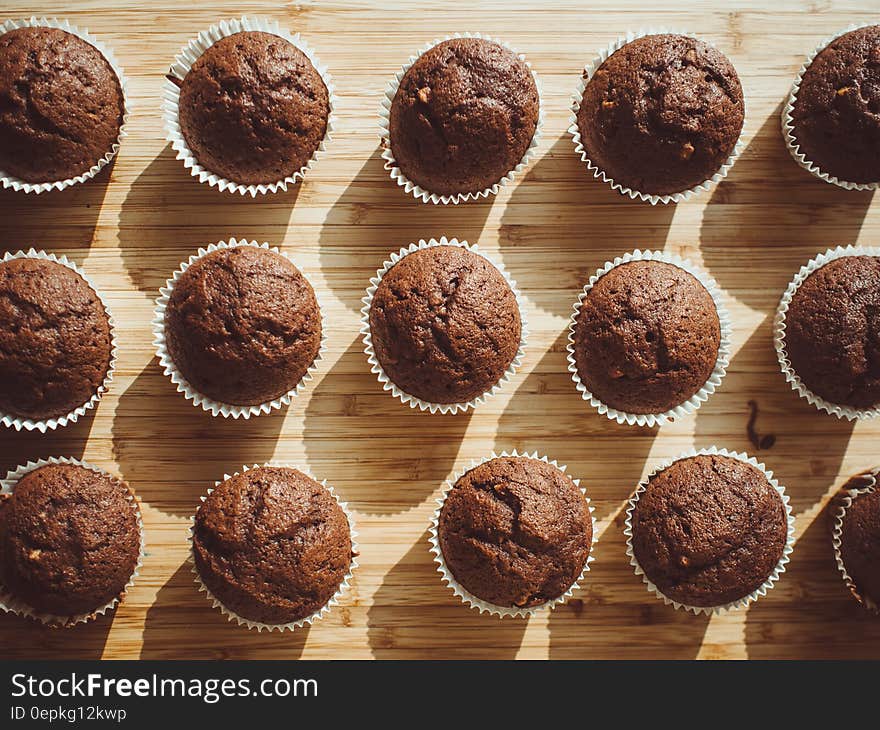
(133, 225)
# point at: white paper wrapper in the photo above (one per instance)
(851, 414)
(10, 604)
(10, 181)
(871, 477)
(468, 598)
(376, 367)
(788, 122)
(745, 600)
(695, 401)
(598, 173)
(171, 98)
(419, 193)
(50, 424)
(216, 408)
(308, 620)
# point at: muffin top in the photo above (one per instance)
(463, 116)
(515, 531)
(709, 530)
(55, 343)
(243, 325)
(445, 324)
(646, 337)
(832, 333)
(662, 114)
(61, 105)
(836, 115)
(272, 545)
(69, 539)
(253, 108)
(860, 544)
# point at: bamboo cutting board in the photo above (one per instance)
(133, 225)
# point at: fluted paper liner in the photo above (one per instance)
(10, 181)
(468, 598)
(779, 326)
(10, 604)
(50, 424)
(419, 193)
(189, 391)
(171, 99)
(722, 361)
(376, 367)
(787, 119)
(600, 174)
(745, 600)
(837, 534)
(308, 620)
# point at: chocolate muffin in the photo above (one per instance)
(55, 339)
(445, 324)
(61, 105)
(272, 545)
(69, 540)
(709, 530)
(837, 107)
(242, 325)
(515, 532)
(646, 337)
(662, 114)
(253, 108)
(832, 332)
(463, 116)
(860, 544)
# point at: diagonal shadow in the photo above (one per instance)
(414, 615)
(737, 238)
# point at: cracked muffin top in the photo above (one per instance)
(69, 539)
(463, 116)
(662, 114)
(55, 340)
(709, 530)
(242, 325)
(272, 545)
(860, 538)
(61, 105)
(646, 337)
(253, 108)
(836, 114)
(515, 532)
(832, 332)
(445, 324)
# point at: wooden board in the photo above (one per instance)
(134, 224)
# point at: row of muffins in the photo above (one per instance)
(248, 106)
(273, 548)
(238, 329)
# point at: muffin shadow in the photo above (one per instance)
(414, 615)
(171, 452)
(752, 376)
(574, 433)
(812, 600)
(182, 624)
(19, 447)
(59, 222)
(387, 219)
(410, 452)
(560, 224)
(735, 228)
(152, 240)
(24, 638)
(613, 616)
(804, 462)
